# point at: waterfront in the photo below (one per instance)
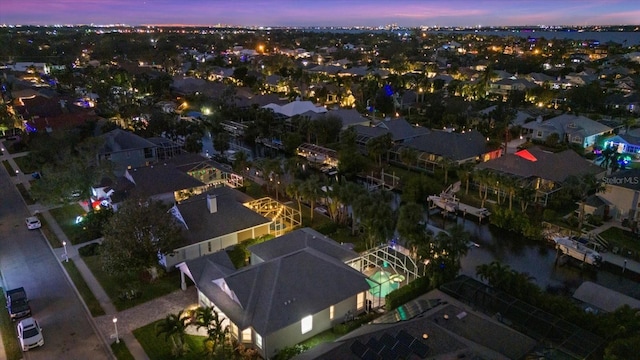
(537, 259)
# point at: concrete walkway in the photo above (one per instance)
(620, 260)
(127, 320)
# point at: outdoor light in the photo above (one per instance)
(115, 325)
(66, 255)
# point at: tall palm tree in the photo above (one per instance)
(311, 192)
(174, 327)
(217, 333)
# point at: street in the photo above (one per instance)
(27, 260)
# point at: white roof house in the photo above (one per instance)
(296, 108)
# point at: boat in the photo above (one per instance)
(447, 200)
(576, 249)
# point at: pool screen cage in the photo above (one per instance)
(565, 337)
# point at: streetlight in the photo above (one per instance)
(66, 254)
(115, 325)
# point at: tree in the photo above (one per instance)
(137, 235)
(408, 156)
(174, 327)
(443, 254)
(294, 191)
(310, 190)
(379, 146)
(411, 227)
(376, 217)
(217, 333)
(581, 187)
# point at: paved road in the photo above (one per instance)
(27, 260)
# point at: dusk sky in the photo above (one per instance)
(321, 12)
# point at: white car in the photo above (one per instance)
(30, 334)
(33, 223)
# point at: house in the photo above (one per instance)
(399, 128)
(575, 129)
(296, 287)
(622, 194)
(439, 145)
(541, 170)
(508, 85)
(215, 220)
(126, 150)
(350, 117)
(206, 170)
(296, 108)
(463, 319)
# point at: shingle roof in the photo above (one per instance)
(121, 140)
(146, 180)
(550, 166)
(625, 178)
(231, 215)
(278, 293)
(450, 145)
(401, 130)
(298, 240)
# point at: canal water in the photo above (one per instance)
(536, 258)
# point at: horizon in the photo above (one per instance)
(330, 13)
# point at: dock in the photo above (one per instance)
(451, 205)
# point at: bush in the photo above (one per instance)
(351, 325)
(327, 228)
(549, 215)
(407, 293)
(89, 250)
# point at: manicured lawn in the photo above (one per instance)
(622, 239)
(92, 303)
(66, 217)
(116, 286)
(25, 166)
(10, 170)
(323, 337)
(25, 194)
(48, 234)
(158, 348)
(121, 351)
(8, 331)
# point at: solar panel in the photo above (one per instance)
(388, 354)
(405, 338)
(375, 345)
(358, 348)
(402, 351)
(419, 348)
(388, 340)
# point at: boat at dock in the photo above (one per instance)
(449, 203)
(578, 250)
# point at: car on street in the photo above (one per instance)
(18, 303)
(30, 334)
(33, 223)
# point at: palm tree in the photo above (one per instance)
(209, 318)
(411, 227)
(526, 195)
(464, 174)
(311, 192)
(294, 191)
(174, 327)
(581, 187)
(408, 156)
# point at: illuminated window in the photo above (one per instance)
(307, 324)
(258, 340)
(246, 335)
(360, 301)
(332, 312)
(234, 330)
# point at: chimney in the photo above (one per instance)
(212, 203)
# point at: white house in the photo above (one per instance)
(570, 128)
(296, 287)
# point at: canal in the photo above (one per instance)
(537, 259)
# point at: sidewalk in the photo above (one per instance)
(128, 320)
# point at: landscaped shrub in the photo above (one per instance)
(407, 293)
(290, 351)
(89, 250)
(327, 228)
(351, 325)
(549, 215)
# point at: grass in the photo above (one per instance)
(323, 337)
(622, 239)
(157, 348)
(9, 337)
(25, 194)
(10, 170)
(51, 237)
(254, 190)
(115, 286)
(24, 164)
(66, 217)
(87, 295)
(121, 351)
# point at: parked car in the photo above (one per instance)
(18, 303)
(33, 223)
(30, 334)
